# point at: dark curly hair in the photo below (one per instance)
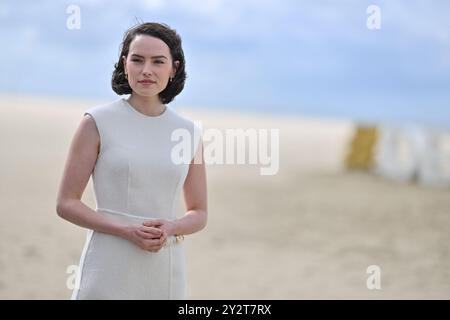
(158, 30)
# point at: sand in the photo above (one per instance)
(308, 232)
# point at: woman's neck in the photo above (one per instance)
(150, 106)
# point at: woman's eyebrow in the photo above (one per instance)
(154, 57)
(159, 57)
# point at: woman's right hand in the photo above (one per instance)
(147, 238)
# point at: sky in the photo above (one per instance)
(285, 57)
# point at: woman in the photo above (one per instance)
(134, 247)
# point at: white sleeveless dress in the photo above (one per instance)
(138, 176)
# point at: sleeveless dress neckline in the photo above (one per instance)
(140, 114)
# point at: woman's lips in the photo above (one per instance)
(147, 82)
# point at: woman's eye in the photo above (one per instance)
(135, 60)
(159, 61)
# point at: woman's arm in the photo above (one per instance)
(80, 162)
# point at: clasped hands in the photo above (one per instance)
(151, 235)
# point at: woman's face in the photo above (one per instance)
(148, 65)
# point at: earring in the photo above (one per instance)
(126, 76)
(171, 79)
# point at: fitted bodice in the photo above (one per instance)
(141, 166)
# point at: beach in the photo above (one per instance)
(310, 231)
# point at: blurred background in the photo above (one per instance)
(359, 91)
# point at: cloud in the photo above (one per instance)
(244, 53)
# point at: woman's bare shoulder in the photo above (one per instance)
(87, 133)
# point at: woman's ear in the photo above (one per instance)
(175, 68)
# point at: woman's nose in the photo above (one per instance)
(147, 68)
